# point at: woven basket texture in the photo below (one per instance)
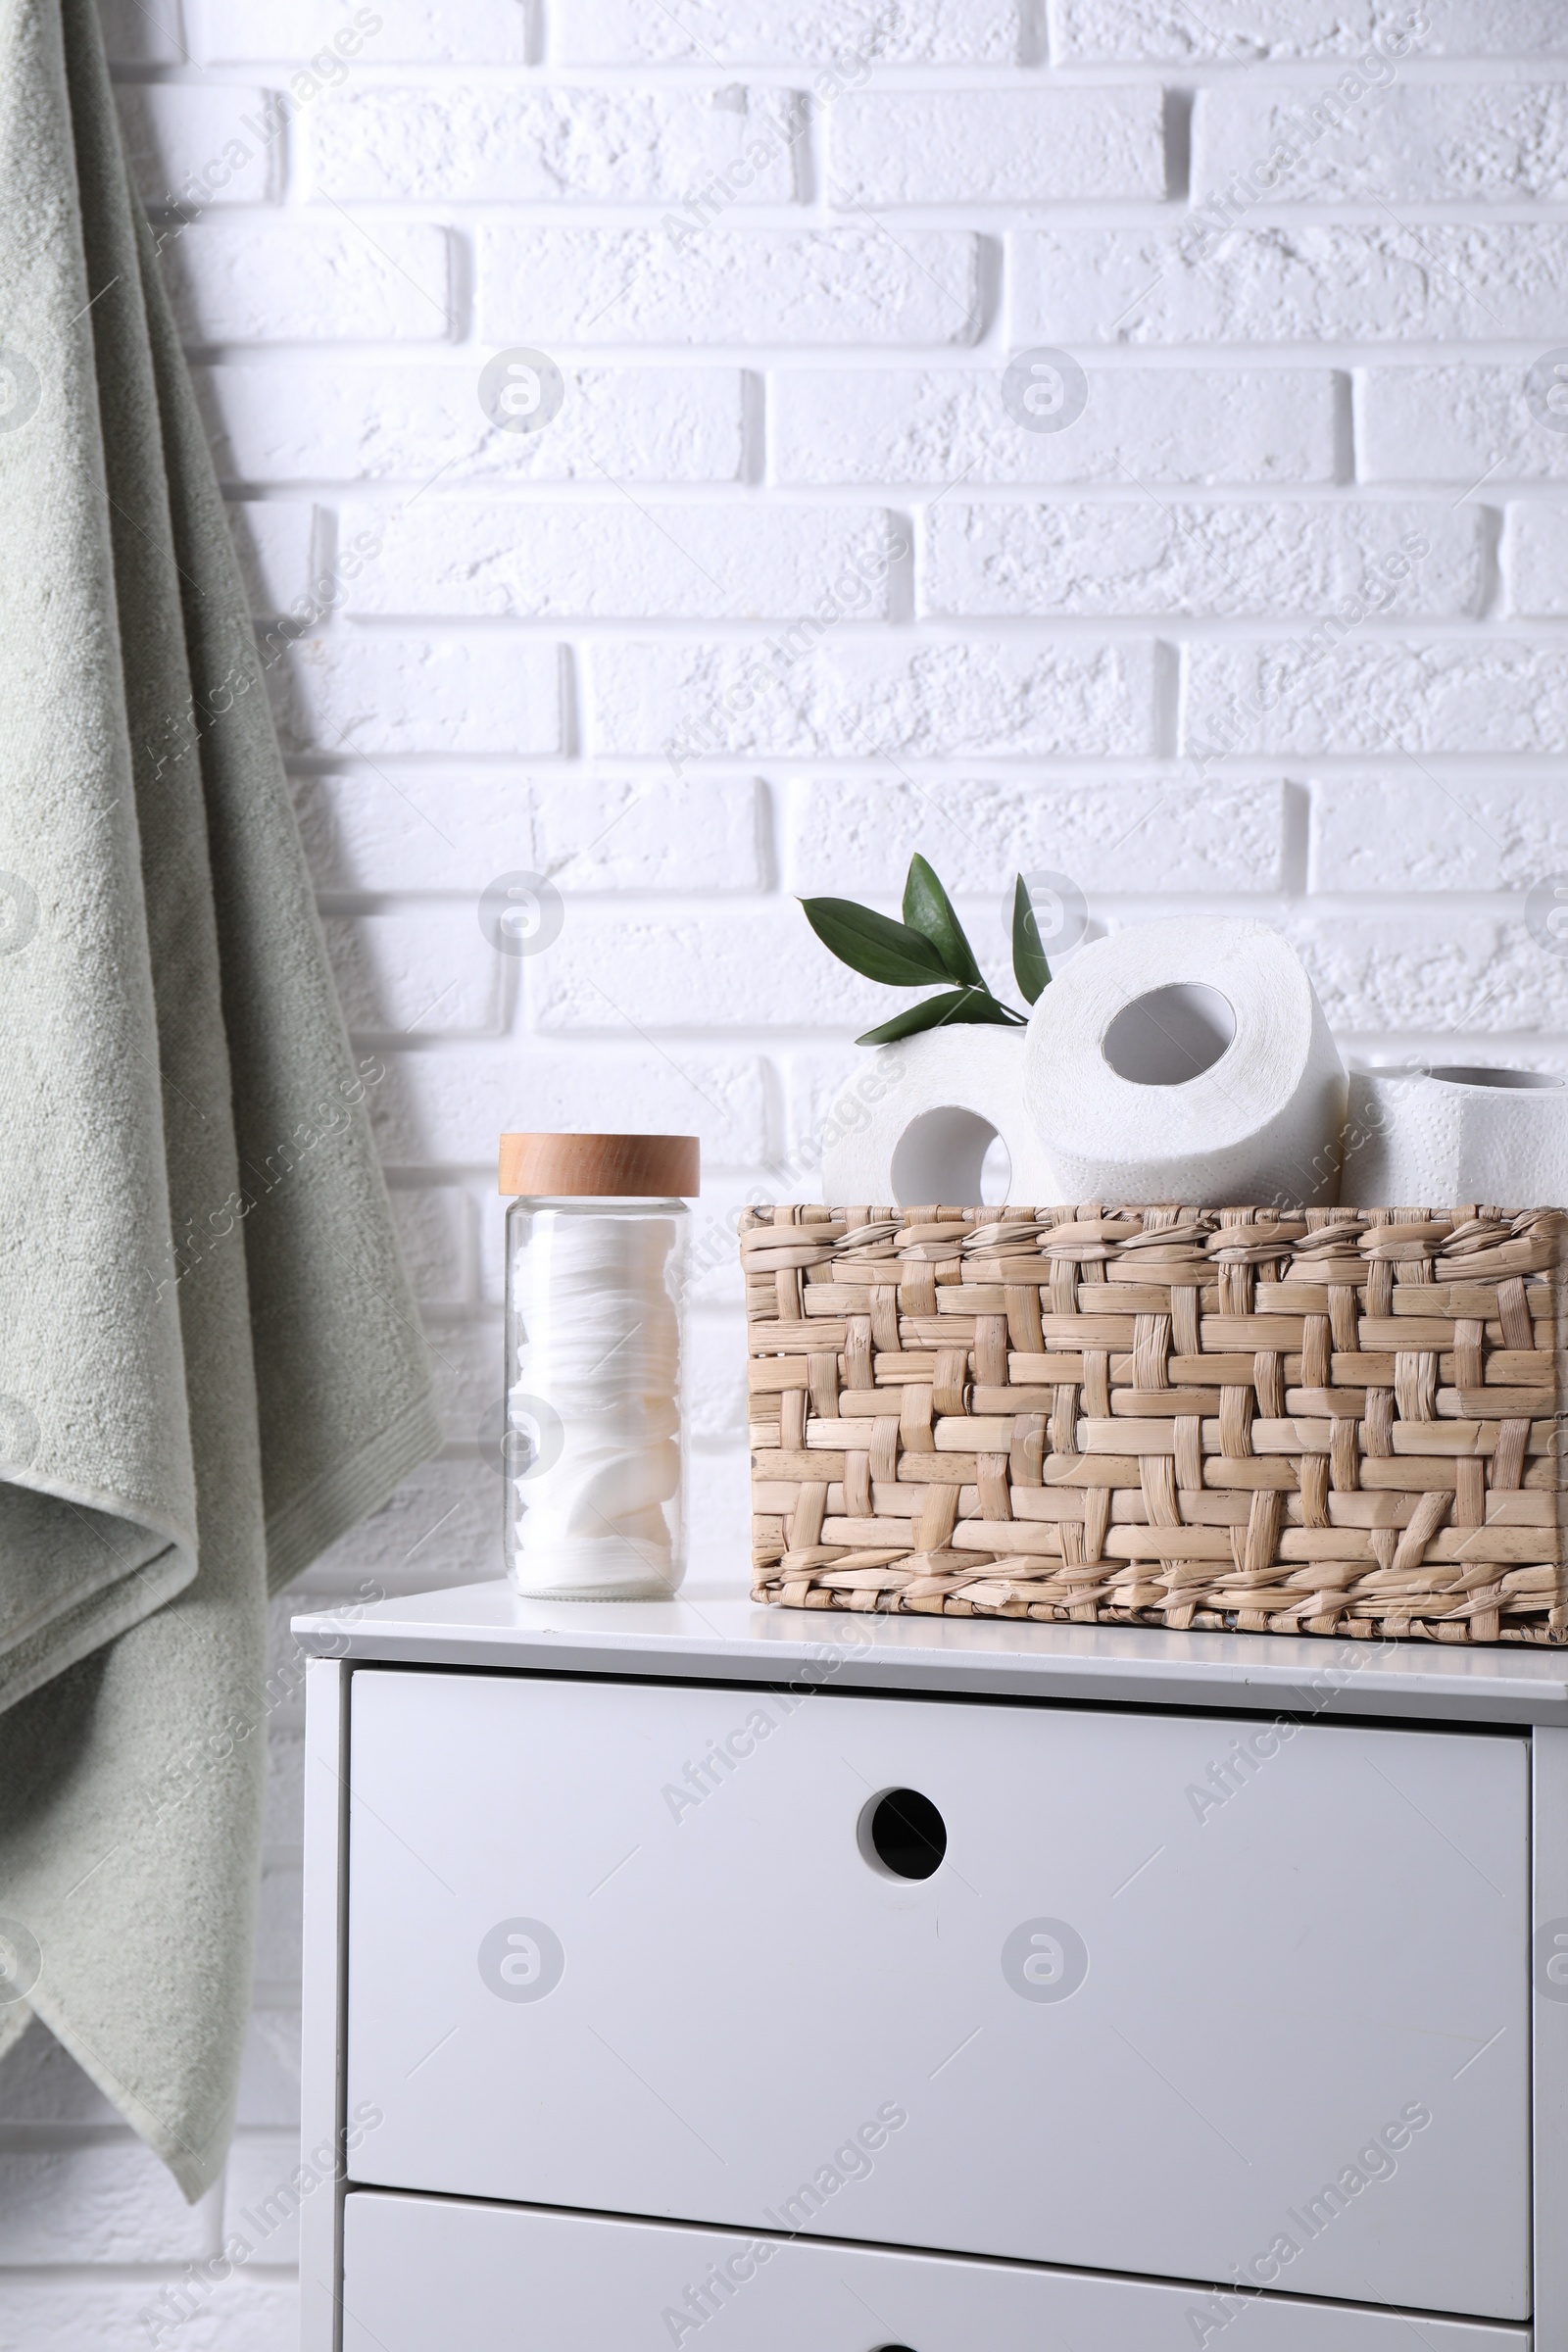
(1342, 1422)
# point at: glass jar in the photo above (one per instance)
(594, 1449)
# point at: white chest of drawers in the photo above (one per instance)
(1200, 1986)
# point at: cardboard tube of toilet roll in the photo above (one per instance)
(914, 1121)
(1187, 1061)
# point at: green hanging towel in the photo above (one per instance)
(210, 1362)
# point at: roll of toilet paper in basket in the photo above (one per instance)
(914, 1122)
(1435, 1136)
(1187, 1061)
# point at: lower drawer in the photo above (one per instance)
(423, 2271)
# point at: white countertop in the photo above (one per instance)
(710, 1634)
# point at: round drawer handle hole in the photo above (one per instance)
(902, 1833)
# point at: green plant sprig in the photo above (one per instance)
(929, 945)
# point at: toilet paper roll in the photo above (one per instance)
(1437, 1137)
(1187, 1061)
(914, 1124)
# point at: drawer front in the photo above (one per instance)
(602, 1956)
(416, 2274)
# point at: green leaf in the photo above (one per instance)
(956, 1008)
(1030, 969)
(928, 908)
(874, 944)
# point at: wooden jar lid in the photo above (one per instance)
(649, 1167)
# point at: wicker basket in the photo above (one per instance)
(1342, 1422)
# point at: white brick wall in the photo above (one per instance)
(984, 146)
(1454, 143)
(1445, 282)
(345, 423)
(935, 427)
(619, 559)
(778, 287)
(781, 252)
(467, 145)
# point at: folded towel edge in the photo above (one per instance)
(349, 1491)
(195, 2170)
(100, 1616)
